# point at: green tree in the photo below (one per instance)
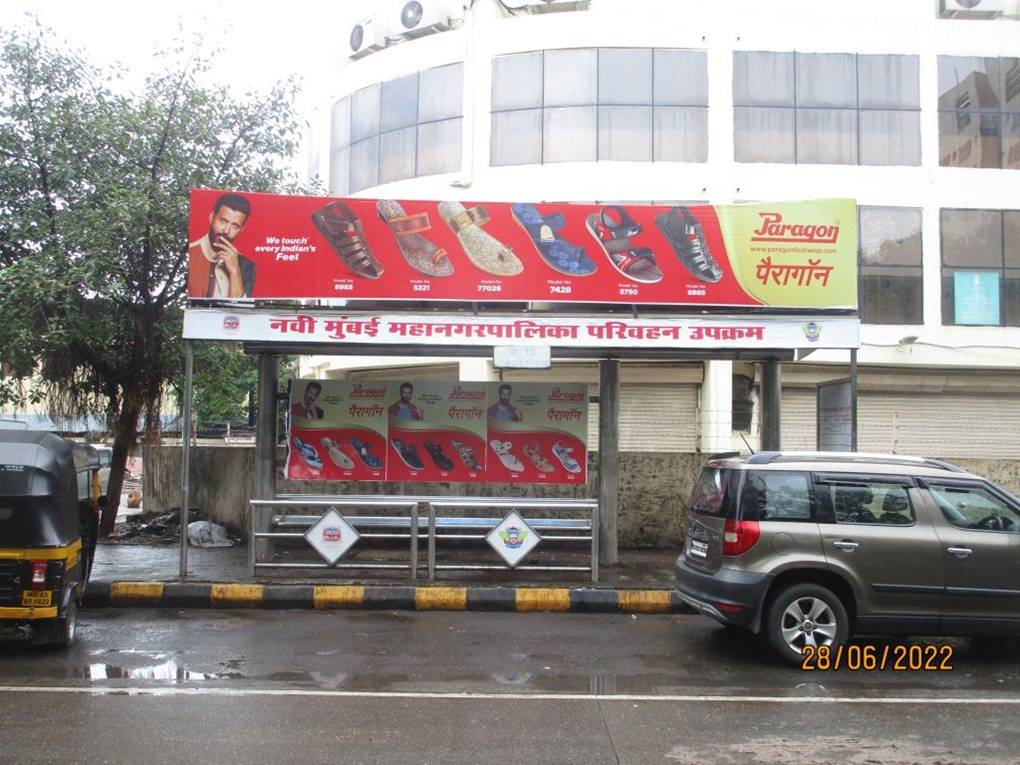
(93, 219)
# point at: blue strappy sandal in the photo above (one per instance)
(561, 255)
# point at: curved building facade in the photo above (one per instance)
(910, 110)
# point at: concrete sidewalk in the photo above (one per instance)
(137, 575)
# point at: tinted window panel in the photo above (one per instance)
(680, 134)
(517, 81)
(890, 138)
(972, 238)
(888, 82)
(763, 79)
(681, 78)
(827, 136)
(763, 135)
(871, 502)
(398, 103)
(775, 496)
(516, 138)
(570, 77)
(569, 134)
(441, 93)
(625, 133)
(365, 113)
(826, 79)
(625, 76)
(974, 508)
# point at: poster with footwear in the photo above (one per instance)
(437, 431)
(537, 433)
(337, 430)
(247, 246)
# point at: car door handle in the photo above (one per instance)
(959, 552)
(847, 544)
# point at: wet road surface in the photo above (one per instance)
(391, 687)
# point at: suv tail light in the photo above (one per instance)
(739, 537)
(38, 581)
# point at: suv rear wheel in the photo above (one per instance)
(805, 615)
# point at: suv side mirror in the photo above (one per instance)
(103, 501)
(105, 458)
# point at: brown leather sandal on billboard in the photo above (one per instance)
(344, 232)
(421, 254)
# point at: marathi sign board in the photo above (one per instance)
(716, 333)
(788, 255)
(437, 431)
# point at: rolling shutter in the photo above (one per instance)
(653, 418)
(932, 425)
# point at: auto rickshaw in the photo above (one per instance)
(50, 502)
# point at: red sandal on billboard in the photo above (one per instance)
(489, 254)
(345, 235)
(510, 460)
(684, 233)
(613, 228)
(338, 458)
(420, 253)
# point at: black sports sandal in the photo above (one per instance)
(684, 233)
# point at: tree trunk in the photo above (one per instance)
(125, 430)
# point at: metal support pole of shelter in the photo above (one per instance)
(609, 460)
(265, 434)
(771, 404)
(853, 399)
(186, 457)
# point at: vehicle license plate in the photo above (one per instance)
(699, 549)
(36, 599)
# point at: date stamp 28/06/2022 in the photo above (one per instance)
(898, 657)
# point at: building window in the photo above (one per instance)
(599, 104)
(826, 108)
(398, 129)
(981, 267)
(979, 112)
(891, 284)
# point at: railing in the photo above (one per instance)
(270, 522)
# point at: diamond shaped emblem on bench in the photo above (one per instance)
(513, 539)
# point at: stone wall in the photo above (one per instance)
(654, 487)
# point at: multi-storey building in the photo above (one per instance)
(911, 108)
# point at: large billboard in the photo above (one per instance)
(465, 432)
(786, 255)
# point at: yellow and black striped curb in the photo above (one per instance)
(426, 598)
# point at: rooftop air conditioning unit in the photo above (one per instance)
(422, 17)
(367, 35)
(971, 9)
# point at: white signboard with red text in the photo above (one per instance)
(715, 333)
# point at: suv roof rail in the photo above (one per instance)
(766, 458)
(723, 455)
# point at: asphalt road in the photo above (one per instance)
(432, 687)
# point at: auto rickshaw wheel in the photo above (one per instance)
(60, 632)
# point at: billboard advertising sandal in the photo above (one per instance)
(339, 459)
(421, 254)
(489, 254)
(510, 461)
(408, 454)
(345, 235)
(613, 228)
(467, 455)
(684, 233)
(544, 232)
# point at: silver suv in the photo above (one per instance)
(809, 548)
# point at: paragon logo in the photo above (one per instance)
(560, 395)
(231, 323)
(358, 391)
(774, 230)
(459, 393)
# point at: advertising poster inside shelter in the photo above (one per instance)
(338, 431)
(437, 431)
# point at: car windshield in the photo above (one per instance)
(710, 492)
